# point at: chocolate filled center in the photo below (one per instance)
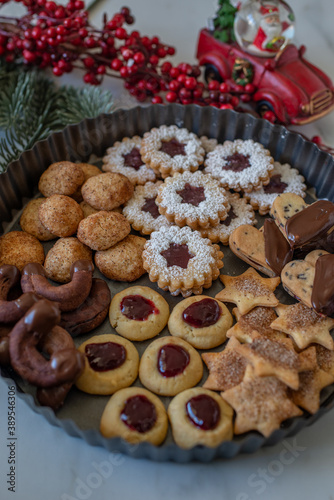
(192, 194)
(139, 414)
(205, 312)
(277, 250)
(173, 147)
(237, 162)
(133, 159)
(151, 207)
(137, 307)
(172, 360)
(105, 356)
(203, 411)
(275, 185)
(177, 255)
(230, 216)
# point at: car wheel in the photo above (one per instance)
(263, 106)
(212, 73)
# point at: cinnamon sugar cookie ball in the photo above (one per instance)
(62, 255)
(31, 224)
(122, 262)
(102, 230)
(60, 215)
(18, 248)
(107, 191)
(63, 177)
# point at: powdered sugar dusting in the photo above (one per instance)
(113, 161)
(261, 164)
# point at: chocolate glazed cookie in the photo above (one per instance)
(68, 296)
(91, 313)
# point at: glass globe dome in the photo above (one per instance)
(264, 27)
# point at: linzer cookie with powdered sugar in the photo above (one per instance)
(124, 158)
(283, 179)
(193, 199)
(181, 261)
(240, 165)
(169, 149)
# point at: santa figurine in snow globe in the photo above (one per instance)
(264, 27)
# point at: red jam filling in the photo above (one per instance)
(139, 414)
(192, 194)
(275, 185)
(133, 159)
(230, 216)
(205, 312)
(203, 411)
(177, 255)
(173, 148)
(151, 207)
(137, 307)
(105, 356)
(172, 360)
(237, 162)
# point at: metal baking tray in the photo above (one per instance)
(81, 412)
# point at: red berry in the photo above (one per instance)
(270, 116)
(116, 64)
(57, 71)
(121, 33)
(239, 88)
(59, 13)
(161, 52)
(125, 11)
(214, 85)
(79, 4)
(132, 69)
(197, 93)
(51, 32)
(166, 67)
(171, 96)
(154, 60)
(235, 101)
(174, 72)
(139, 58)
(155, 40)
(101, 69)
(170, 51)
(185, 93)
(51, 6)
(174, 85)
(181, 78)
(226, 106)
(245, 97)
(124, 72)
(157, 99)
(83, 32)
(67, 23)
(90, 43)
(190, 83)
(224, 87)
(249, 88)
(89, 62)
(127, 54)
(317, 140)
(29, 56)
(141, 84)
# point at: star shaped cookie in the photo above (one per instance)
(258, 319)
(310, 386)
(325, 359)
(226, 368)
(304, 325)
(271, 357)
(261, 403)
(249, 290)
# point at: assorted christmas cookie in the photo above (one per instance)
(192, 199)
(226, 368)
(260, 403)
(249, 290)
(169, 149)
(103, 230)
(170, 365)
(259, 320)
(142, 211)
(202, 321)
(107, 191)
(311, 384)
(181, 261)
(111, 363)
(135, 415)
(31, 224)
(123, 261)
(200, 417)
(138, 313)
(18, 248)
(285, 206)
(60, 215)
(63, 177)
(124, 158)
(240, 213)
(240, 165)
(62, 255)
(283, 179)
(89, 171)
(304, 325)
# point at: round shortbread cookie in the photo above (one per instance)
(200, 417)
(202, 321)
(170, 365)
(135, 415)
(111, 363)
(138, 313)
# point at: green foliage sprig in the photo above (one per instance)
(31, 107)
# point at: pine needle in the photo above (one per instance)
(31, 107)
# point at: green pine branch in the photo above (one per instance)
(31, 107)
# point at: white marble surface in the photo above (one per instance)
(50, 465)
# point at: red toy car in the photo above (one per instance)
(294, 89)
